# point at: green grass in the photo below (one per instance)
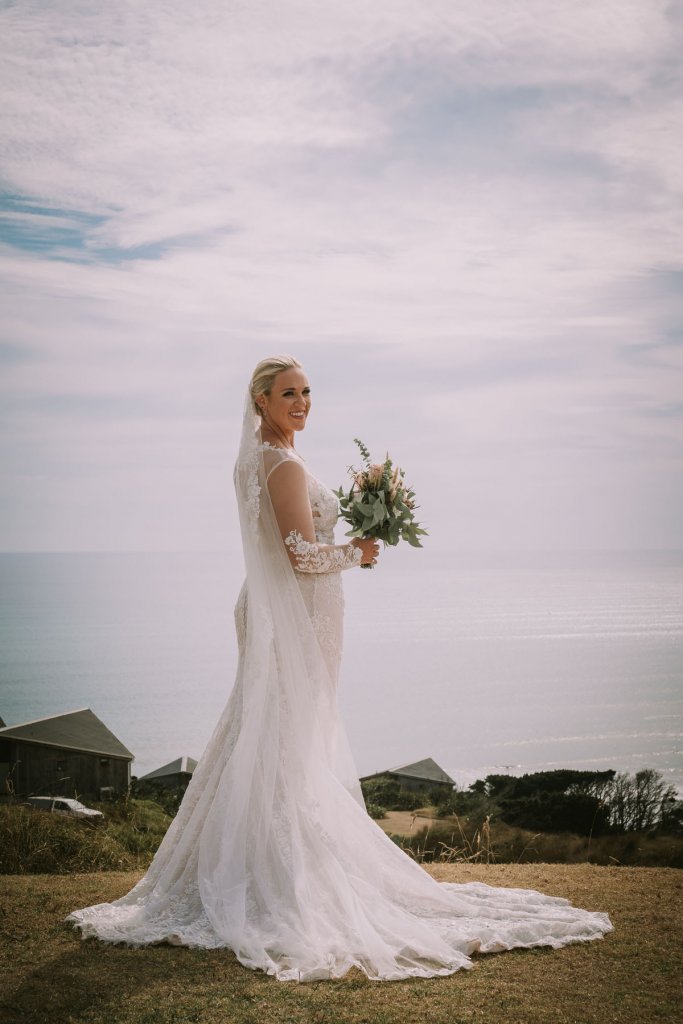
(633, 976)
(35, 841)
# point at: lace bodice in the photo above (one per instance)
(324, 509)
(306, 511)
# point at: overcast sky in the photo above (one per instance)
(463, 218)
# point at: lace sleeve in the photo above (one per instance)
(309, 556)
(289, 495)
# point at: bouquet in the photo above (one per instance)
(379, 504)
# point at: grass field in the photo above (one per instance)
(633, 976)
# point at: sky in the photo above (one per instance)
(463, 219)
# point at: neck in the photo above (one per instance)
(281, 437)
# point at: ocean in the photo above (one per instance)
(503, 663)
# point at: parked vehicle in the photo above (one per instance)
(65, 805)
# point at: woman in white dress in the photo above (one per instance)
(272, 853)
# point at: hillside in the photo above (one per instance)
(633, 976)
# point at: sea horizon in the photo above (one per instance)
(488, 662)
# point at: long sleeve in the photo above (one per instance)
(289, 494)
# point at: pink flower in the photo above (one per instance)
(375, 474)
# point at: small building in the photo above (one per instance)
(175, 774)
(73, 754)
(420, 776)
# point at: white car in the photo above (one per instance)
(65, 805)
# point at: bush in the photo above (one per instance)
(375, 811)
(590, 803)
(34, 841)
(470, 803)
(167, 797)
(495, 842)
(390, 794)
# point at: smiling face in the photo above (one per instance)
(286, 408)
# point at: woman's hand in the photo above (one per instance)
(370, 548)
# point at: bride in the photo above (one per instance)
(272, 853)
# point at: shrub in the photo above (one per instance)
(167, 797)
(590, 803)
(476, 842)
(33, 841)
(389, 793)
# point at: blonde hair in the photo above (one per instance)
(263, 377)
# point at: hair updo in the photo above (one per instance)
(263, 377)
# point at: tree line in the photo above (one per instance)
(583, 802)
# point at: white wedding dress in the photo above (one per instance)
(272, 853)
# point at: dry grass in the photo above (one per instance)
(633, 976)
(454, 839)
(407, 823)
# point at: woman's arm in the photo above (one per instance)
(289, 495)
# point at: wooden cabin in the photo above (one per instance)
(72, 754)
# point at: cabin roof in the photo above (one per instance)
(78, 730)
(181, 764)
(427, 770)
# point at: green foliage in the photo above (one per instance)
(34, 841)
(445, 808)
(376, 812)
(385, 792)
(168, 797)
(644, 802)
(443, 800)
(472, 841)
(587, 803)
(140, 814)
(557, 812)
(363, 450)
(558, 781)
(379, 504)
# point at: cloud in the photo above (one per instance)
(466, 222)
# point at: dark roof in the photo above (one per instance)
(74, 730)
(427, 770)
(181, 764)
